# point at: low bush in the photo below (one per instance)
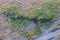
(15, 20)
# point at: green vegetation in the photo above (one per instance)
(43, 15)
(46, 13)
(16, 21)
(50, 12)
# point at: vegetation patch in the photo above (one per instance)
(44, 15)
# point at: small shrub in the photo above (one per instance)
(15, 20)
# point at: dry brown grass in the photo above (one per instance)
(15, 35)
(7, 32)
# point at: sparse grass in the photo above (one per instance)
(51, 11)
(48, 11)
(32, 35)
(44, 15)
